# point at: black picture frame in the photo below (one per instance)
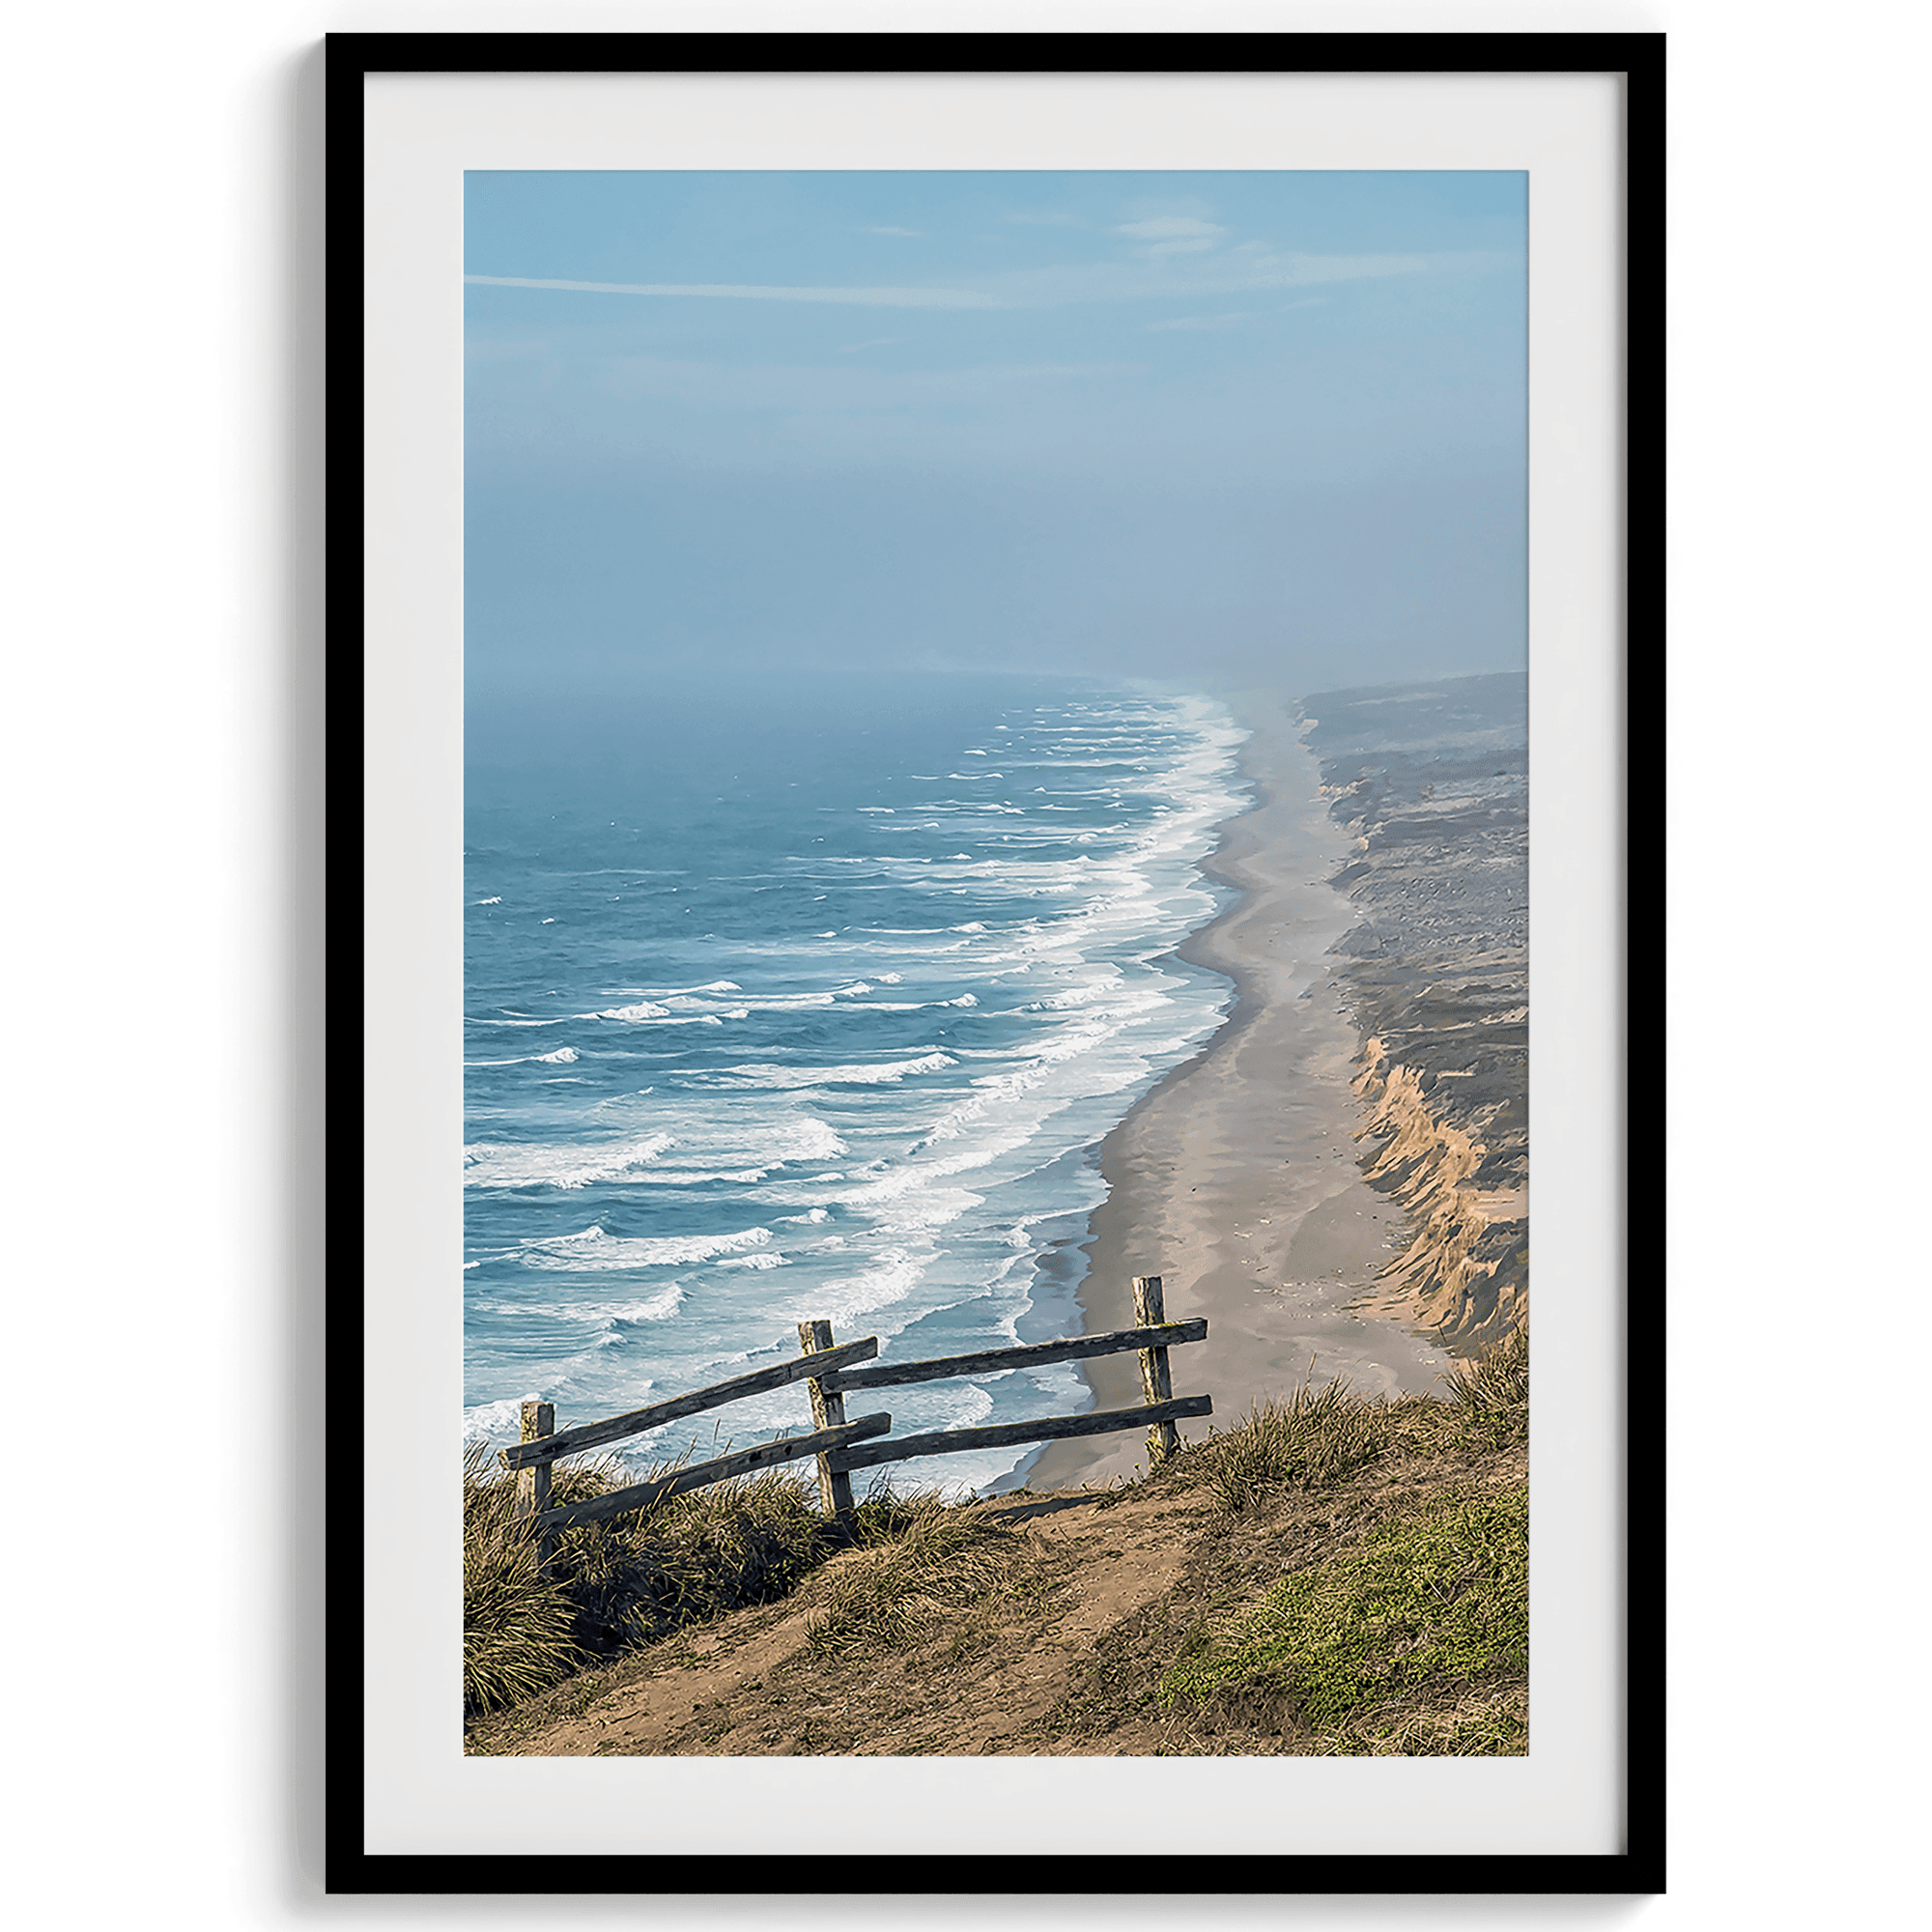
(350, 1868)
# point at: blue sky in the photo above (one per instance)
(1259, 428)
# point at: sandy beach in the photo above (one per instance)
(1236, 1179)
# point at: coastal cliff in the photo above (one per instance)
(1431, 783)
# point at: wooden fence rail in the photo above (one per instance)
(1034, 1355)
(596, 1434)
(699, 1475)
(828, 1369)
(1005, 1434)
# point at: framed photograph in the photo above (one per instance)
(979, 700)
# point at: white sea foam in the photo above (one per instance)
(658, 1307)
(562, 1056)
(784, 1003)
(676, 992)
(568, 1165)
(786, 1078)
(766, 1135)
(594, 1249)
(493, 1421)
(889, 1283)
(1057, 930)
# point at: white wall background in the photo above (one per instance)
(162, 774)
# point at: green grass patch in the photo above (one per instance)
(1437, 1597)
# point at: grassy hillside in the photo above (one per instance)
(1330, 1576)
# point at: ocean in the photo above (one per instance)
(813, 998)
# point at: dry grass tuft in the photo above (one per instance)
(517, 1624)
(1491, 1396)
(944, 1561)
(1316, 1436)
(1491, 1720)
(634, 1578)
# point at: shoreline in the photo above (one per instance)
(1237, 1178)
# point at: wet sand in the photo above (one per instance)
(1236, 1179)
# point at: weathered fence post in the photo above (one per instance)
(1156, 1384)
(533, 1483)
(828, 1411)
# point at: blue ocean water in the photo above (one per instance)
(815, 1000)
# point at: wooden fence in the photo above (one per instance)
(831, 1371)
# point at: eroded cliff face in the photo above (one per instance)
(1431, 779)
(1467, 1273)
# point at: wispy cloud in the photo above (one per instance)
(1162, 235)
(756, 292)
(1246, 271)
(910, 234)
(854, 390)
(1204, 324)
(1159, 277)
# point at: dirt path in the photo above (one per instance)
(749, 1686)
